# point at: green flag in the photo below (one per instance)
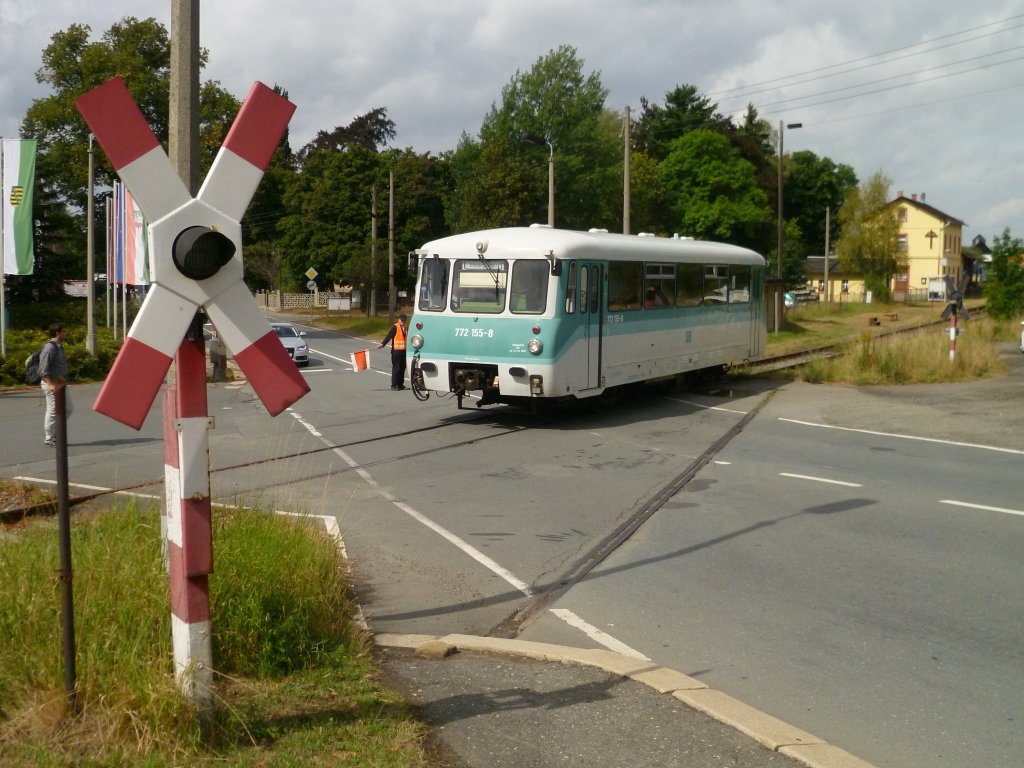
(19, 164)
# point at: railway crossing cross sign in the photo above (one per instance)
(197, 263)
(197, 250)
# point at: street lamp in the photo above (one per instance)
(781, 241)
(781, 225)
(540, 141)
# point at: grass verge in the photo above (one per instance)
(920, 357)
(296, 684)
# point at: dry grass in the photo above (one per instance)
(920, 357)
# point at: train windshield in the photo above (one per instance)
(479, 285)
(434, 285)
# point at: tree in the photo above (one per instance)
(868, 245)
(502, 181)
(685, 110)
(813, 184)
(139, 52)
(713, 191)
(1004, 286)
(329, 203)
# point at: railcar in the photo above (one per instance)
(523, 314)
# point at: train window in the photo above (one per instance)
(584, 274)
(595, 290)
(689, 285)
(625, 285)
(739, 284)
(433, 285)
(659, 286)
(716, 284)
(570, 290)
(529, 289)
(479, 285)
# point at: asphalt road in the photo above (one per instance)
(811, 567)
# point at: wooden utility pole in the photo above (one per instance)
(184, 107)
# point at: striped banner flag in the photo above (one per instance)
(131, 239)
(19, 173)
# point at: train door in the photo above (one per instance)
(590, 309)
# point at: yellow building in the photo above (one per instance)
(932, 242)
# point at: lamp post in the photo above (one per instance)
(781, 223)
(540, 141)
(781, 234)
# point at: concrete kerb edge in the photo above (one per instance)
(768, 731)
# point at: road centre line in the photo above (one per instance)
(906, 437)
(982, 507)
(820, 480)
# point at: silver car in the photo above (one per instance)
(294, 341)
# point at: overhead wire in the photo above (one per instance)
(819, 71)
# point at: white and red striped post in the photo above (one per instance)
(952, 335)
(189, 522)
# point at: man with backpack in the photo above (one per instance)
(53, 373)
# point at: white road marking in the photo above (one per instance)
(820, 480)
(597, 635)
(707, 407)
(983, 507)
(906, 437)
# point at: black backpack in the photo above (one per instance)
(32, 374)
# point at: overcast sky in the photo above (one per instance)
(931, 92)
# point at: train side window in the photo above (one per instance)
(584, 296)
(689, 285)
(529, 289)
(595, 290)
(625, 285)
(716, 284)
(570, 290)
(659, 286)
(739, 284)
(433, 285)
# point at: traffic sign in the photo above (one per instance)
(197, 250)
(311, 273)
(311, 285)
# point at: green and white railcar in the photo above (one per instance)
(532, 312)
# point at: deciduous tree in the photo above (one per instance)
(1004, 287)
(713, 191)
(868, 245)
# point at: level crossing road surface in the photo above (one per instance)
(823, 563)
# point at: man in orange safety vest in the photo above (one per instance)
(396, 336)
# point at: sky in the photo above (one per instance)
(929, 92)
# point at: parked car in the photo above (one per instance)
(294, 341)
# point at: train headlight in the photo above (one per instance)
(535, 346)
(416, 341)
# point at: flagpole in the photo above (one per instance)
(3, 262)
(109, 250)
(90, 259)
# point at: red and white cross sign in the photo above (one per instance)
(175, 218)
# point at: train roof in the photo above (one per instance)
(538, 242)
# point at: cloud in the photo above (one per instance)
(438, 68)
